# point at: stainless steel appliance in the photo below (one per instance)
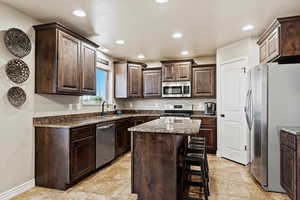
(105, 144)
(273, 101)
(210, 108)
(176, 89)
(177, 110)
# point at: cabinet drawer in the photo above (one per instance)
(207, 121)
(288, 139)
(82, 132)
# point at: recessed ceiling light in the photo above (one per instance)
(120, 42)
(248, 27)
(161, 1)
(184, 53)
(177, 35)
(104, 50)
(141, 56)
(79, 13)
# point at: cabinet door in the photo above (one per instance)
(68, 64)
(119, 140)
(288, 170)
(82, 157)
(273, 45)
(168, 71)
(210, 134)
(183, 71)
(152, 83)
(204, 81)
(263, 52)
(134, 80)
(88, 67)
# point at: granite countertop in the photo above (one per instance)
(91, 120)
(169, 125)
(293, 130)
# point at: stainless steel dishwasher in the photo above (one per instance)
(105, 143)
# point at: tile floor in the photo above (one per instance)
(229, 181)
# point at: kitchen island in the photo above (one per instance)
(156, 148)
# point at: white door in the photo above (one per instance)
(233, 130)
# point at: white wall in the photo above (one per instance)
(247, 49)
(16, 135)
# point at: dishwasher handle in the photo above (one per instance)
(99, 128)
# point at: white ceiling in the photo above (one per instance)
(147, 27)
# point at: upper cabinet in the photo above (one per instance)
(128, 79)
(204, 81)
(135, 84)
(176, 70)
(65, 61)
(281, 41)
(152, 82)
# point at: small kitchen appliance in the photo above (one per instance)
(210, 108)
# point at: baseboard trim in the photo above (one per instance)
(17, 190)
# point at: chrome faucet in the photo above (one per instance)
(103, 103)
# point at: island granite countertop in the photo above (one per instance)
(169, 125)
(292, 130)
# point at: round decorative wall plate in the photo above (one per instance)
(17, 42)
(16, 96)
(17, 71)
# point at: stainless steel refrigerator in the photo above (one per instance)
(273, 101)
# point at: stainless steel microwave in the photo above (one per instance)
(176, 89)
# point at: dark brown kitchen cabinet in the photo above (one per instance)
(135, 84)
(176, 70)
(128, 79)
(68, 63)
(88, 61)
(290, 164)
(204, 81)
(123, 136)
(281, 41)
(208, 130)
(168, 71)
(152, 83)
(183, 71)
(65, 61)
(64, 156)
(82, 157)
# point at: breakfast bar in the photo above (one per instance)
(156, 147)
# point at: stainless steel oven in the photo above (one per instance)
(176, 89)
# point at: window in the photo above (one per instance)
(101, 88)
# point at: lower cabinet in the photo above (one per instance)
(289, 164)
(63, 156)
(123, 137)
(82, 157)
(208, 130)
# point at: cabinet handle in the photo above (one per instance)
(222, 115)
(183, 76)
(104, 127)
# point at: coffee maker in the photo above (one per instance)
(210, 108)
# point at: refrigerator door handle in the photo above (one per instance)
(250, 109)
(247, 109)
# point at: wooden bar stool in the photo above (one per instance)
(195, 155)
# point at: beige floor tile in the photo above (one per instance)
(228, 181)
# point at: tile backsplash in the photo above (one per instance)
(159, 104)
